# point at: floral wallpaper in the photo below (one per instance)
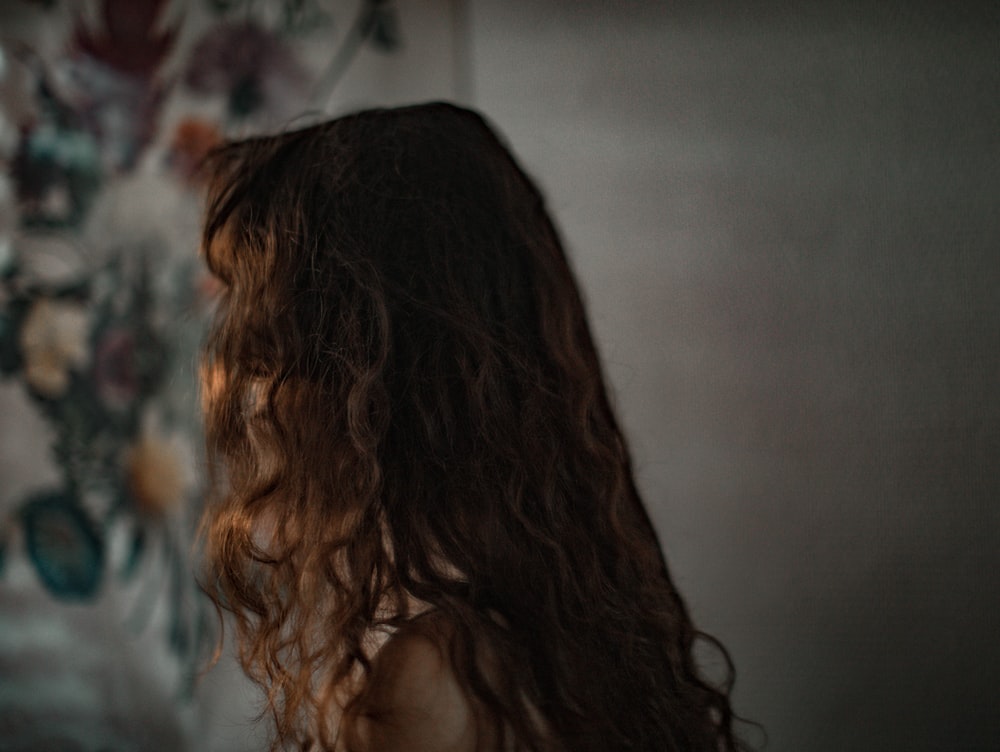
(105, 111)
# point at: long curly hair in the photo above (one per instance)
(406, 415)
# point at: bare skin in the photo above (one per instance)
(414, 702)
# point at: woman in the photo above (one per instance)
(426, 522)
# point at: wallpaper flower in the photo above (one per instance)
(254, 68)
(106, 110)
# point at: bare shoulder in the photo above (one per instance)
(414, 701)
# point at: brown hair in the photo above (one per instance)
(408, 414)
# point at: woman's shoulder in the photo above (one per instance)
(414, 700)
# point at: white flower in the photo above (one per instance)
(53, 342)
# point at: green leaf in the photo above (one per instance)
(385, 28)
(136, 549)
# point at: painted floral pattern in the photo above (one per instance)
(53, 341)
(253, 68)
(102, 309)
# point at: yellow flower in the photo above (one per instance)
(157, 473)
(53, 342)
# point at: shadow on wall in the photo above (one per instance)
(784, 220)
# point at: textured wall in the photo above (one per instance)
(786, 223)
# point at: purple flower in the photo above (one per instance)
(252, 66)
(115, 373)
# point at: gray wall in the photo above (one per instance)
(785, 223)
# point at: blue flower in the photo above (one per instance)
(62, 543)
